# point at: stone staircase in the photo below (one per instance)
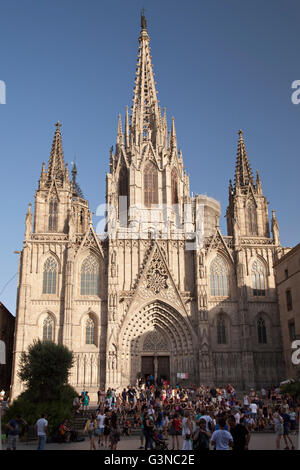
(79, 420)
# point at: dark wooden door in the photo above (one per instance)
(147, 365)
(163, 370)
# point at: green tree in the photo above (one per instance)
(45, 369)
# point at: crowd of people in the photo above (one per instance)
(180, 418)
(195, 418)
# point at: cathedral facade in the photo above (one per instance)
(164, 292)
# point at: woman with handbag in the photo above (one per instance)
(90, 428)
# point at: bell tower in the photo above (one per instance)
(248, 207)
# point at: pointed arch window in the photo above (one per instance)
(174, 186)
(150, 185)
(219, 278)
(221, 330)
(89, 276)
(123, 192)
(48, 329)
(252, 219)
(123, 182)
(258, 279)
(49, 276)
(53, 215)
(261, 331)
(90, 331)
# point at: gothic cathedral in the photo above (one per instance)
(149, 298)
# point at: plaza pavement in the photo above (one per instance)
(258, 441)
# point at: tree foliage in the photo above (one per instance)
(292, 389)
(45, 369)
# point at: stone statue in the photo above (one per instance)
(28, 223)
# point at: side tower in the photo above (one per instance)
(254, 253)
(48, 281)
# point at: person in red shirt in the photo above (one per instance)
(175, 430)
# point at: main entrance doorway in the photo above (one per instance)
(157, 367)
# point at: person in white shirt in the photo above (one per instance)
(41, 427)
(253, 408)
(222, 439)
(187, 431)
(237, 417)
(246, 401)
(100, 420)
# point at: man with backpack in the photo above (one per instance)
(201, 436)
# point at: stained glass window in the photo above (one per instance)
(53, 215)
(252, 222)
(258, 279)
(89, 276)
(218, 278)
(49, 276)
(174, 187)
(150, 185)
(48, 329)
(90, 331)
(261, 331)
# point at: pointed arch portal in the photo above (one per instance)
(156, 340)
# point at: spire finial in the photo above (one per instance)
(143, 19)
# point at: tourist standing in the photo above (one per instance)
(148, 430)
(175, 430)
(187, 431)
(86, 402)
(278, 424)
(91, 427)
(41, 427)
(222, 439)
(240, 434)
(13, 427)
(201, 436)
(115, 433)
(100, 420)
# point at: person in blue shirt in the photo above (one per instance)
(14, 426)
(286, 429)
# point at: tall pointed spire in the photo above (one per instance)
(127, 128)
(243, 172)
(173, 138)
(56, 166)
(145, 118)
(120, 139)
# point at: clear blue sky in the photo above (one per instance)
(220, 66)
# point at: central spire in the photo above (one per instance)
(145, 118)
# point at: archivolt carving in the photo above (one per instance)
(160, 316)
